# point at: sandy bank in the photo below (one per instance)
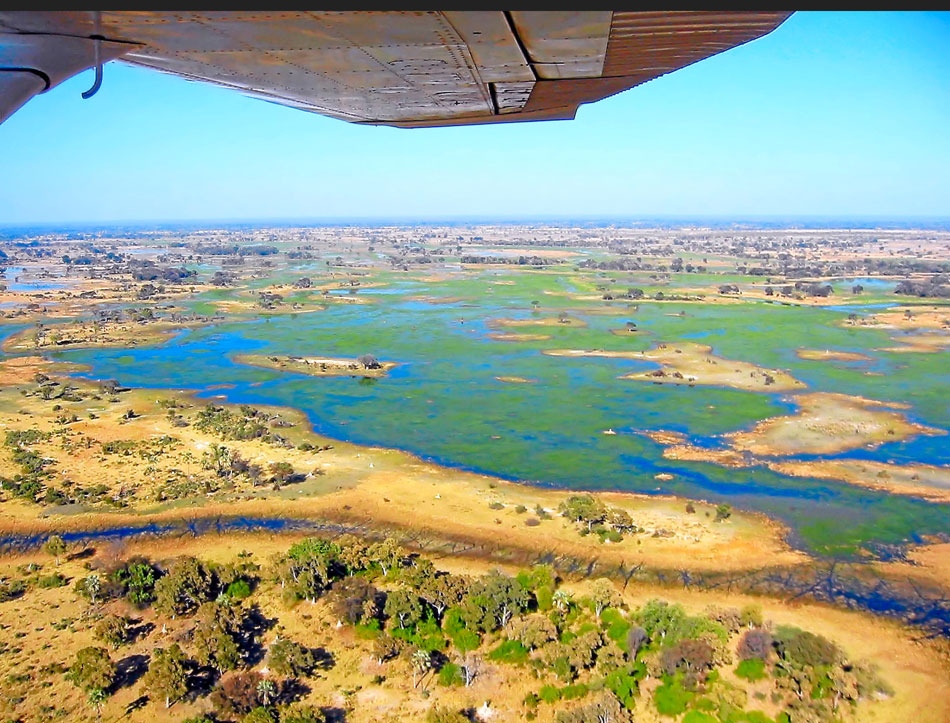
(689, 363)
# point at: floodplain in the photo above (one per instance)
(757, 416)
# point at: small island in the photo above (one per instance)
(365, 365)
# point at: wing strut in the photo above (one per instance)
(97, 50)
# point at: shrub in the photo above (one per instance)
(451, 675)
(238, 590)
(751, 669)
(54, 580)
(671, 698)
(509, 651)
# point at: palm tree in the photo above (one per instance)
(267, 691)
(97, 697)
(421, 662)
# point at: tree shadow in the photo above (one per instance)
(334, 715)
(136, 704)
(138, 629)
(201, 681)
(83, 554)
(253, 626)
(129, 670)
(323, 659)
(293, 689)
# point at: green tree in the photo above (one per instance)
(266, 691)
(56, 547)
(167, 676)
(94, 672)
(214, 636)
(585, 509)
(309, 568)
(138, 577)
(290, 659)
(603, 594)
(444, 714)
(443, 590)
(188, 584)
(89, 587)
(387, 554)
(403, 605)
(493, 600)
(261, 714)
(113, 630)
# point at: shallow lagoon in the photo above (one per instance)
(444, 402)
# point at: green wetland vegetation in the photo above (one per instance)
(543, 422)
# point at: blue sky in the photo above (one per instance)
(832, 114)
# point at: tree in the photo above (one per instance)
(113, 629)
(355, 600)
(751, 616)
(299, 713)
(471, 664)
(443, 714)
(281, 471)
(693, 657)
(387, 554)
(660, 619)
(92, 670)
(620, 520)
(290, 659)
(493, 600)
(368, 361)
(404, 606)
(580, 653)
(261, 714)
(533, 631)
(603, 594)
(583, 508)
(138, 577)
(214, 637)
(267, 691)
(89, 587)
(167, 676)
(56, 547)
(755, 643)
(309, 568)
(421, 663)
(443, 590)
(188, 584)
(723, 512)
(636, 637)
(386, 647)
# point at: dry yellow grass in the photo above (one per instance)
(689, 363)
(47, 627)
(828, 355)
(828, 423)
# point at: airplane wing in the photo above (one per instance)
(397, 68)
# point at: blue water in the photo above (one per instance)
(443, 403)
(13, 283)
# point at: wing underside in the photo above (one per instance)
(399, 68)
